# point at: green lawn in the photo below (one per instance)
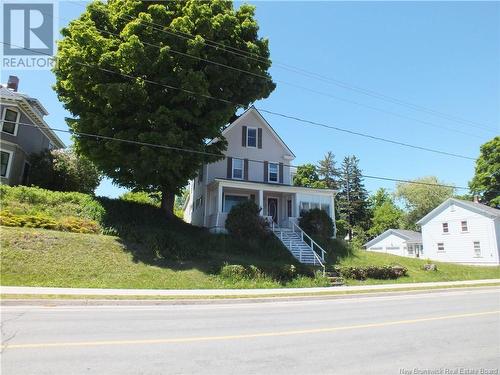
(39, 257)
(445, 271)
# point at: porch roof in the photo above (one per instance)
(270, 186)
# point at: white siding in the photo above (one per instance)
(458, 245)
(390, 244)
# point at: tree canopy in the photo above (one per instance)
(307, 176)
(421, 197)
(140, 71)
(486, 181)
(63, 170)
(328, 171)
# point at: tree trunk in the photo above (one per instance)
(167, 202)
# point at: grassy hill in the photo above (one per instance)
(127, 244)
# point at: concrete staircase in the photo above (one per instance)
(300, 249)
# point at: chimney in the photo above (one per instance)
(13, 83)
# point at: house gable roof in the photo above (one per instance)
(253, 110)
(408, 235)
(468, 205)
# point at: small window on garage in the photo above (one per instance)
(445, 228)
(440, 246)
(477, 248)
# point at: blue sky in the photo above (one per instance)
(440, 55)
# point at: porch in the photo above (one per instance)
(280, 203)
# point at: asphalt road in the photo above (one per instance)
(456, 330)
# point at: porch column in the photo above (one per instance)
(333, 216)
(219, 198)
(261, 202)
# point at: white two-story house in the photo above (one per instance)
(462, 232)
(256, 167)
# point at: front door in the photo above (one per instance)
(272, 208)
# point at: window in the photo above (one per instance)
(289, 207)
(5, 163)
(10, 119)
(440, 246)
(304, 206)
(477, 249)
(251, 137)
(445, 228)
(464, 226)
(232, 200)
(273, 172)
(410, 249)
(238, 169)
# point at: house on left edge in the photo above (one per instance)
(23, 132)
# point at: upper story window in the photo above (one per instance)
(273, 172)
(464, 226)
(251, 137)
(445, 228)
(238, 169)
(6, 158)
(10, 120)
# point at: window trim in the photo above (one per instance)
(462, 226)
(442, 245)
(447, 227)
(476, 255)
(9, 163)
(16, 124)
(277, 172)
(256, 136)
(242, 169)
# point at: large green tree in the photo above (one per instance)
(352, 199)
(328, 171)
(140, 71)
(421, 196)
(307, 175)
(486, 181)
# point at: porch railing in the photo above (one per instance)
(313, 244)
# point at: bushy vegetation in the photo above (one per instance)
(22, 200)
(153, 199)
(316, 222)
(244, 221)
(386, 272)
(69, 223)
(63, 170)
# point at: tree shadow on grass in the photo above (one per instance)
(144, 231)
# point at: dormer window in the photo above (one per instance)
(10, 118)
(251, 137)
(273, 172)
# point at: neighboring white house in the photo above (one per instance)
(397, 242)
(257, 167)
(462, 232)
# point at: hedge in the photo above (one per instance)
(372, 272)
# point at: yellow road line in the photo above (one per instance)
(242, 336)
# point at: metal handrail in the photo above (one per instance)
(302, 234)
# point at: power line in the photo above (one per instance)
(342, 84)
(268, 78)
(336, 128)
(222, 156)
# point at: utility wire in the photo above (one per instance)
(222, 156)
(336, 128)
(336, 82)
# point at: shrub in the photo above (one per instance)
(244, 221)
(372, 272)
(63, 170)
(316, 222)
(40, 220)
(239, 272)
(154, 199)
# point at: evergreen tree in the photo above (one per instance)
(353, 197)
(328, 171)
